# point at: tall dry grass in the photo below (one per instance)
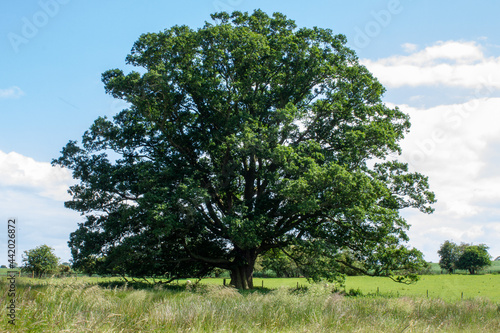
(77, 306)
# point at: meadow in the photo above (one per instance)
(446, 287)
(106, 305)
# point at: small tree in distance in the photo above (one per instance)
(464, 256)
(474, 258)
(40, 260)
(449, 254)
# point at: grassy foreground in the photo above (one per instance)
(69, 305)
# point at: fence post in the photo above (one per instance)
(224, 282)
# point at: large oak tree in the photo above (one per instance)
(243, 136)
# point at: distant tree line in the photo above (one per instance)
(464, 257)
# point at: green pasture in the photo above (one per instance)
(446, 287)
(82, 305)
(443, 286)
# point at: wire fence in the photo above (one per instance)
(19, 273)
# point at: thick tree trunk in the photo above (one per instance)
(242, 275)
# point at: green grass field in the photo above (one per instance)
(446, 287)
(81, 305)
(95, 304)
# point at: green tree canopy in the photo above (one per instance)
(449, 253)
(280, 263)
(474, 258)
(40, 260)
(245, 135)
(464, 256)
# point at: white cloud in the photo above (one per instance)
(34, 192)
(12, 92)
(41, 220)
(451, 51)
(449, 233)
(452, 145)
(427, 233)
(409, 47)
(17, 170)
(451, 63)
(448, 143)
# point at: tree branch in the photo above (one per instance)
(222, 263)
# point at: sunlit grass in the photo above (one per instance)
(80, 305)
(446, 287)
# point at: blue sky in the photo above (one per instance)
(439, 60)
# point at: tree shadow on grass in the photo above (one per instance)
(256, 290)
(141, 285)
